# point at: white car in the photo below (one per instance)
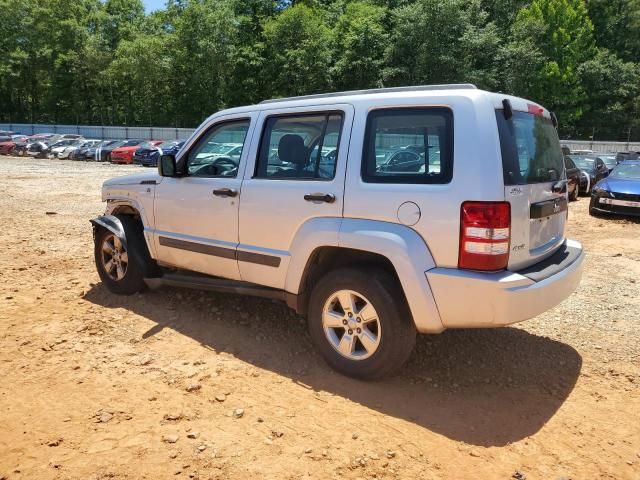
(70, 151)
(371, 251)
(60, 146)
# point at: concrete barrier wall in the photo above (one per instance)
(146, 133)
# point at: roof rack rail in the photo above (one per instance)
(416, 88)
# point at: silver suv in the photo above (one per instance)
(377, 214)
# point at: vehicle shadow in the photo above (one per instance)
(483, 387)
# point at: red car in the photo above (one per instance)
(124, 154)
(6, 147)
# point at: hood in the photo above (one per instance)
(134, 179)
(620, 185)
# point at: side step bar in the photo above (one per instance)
(214, 284)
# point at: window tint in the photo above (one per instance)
(217, 152)
(530, 148)
(409, 145)
(300, 146)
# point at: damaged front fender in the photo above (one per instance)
(111, 223)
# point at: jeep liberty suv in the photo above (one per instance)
(377, 214)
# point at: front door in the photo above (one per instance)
(297, 175)
(196, 215)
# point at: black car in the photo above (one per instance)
(593, 169)
(573, 178)
(147, 155)
(95, 153)
(622, 156)
(609, 160)
(80, 153)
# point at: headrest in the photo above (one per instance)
(291, 149)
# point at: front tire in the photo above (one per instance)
(360, 322)
(122, 264)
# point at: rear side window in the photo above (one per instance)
(408, 145)
(530, 148)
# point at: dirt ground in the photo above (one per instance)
(185, 384)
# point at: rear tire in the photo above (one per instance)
(574, 196)
(372, 335)
(122, 266)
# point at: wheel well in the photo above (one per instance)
(325, 259)
(125, 209)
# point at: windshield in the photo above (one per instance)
(131, 143)
(630, 171)
(164, 145)
(583, 162)
(530, 148)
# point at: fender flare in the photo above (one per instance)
(114, 224)
(111, 223)
(401, 245)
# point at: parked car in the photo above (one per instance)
(609, 160)
(124, 153)
(105, 151)
(622, 156)
(70, 149)
(149, 158)
(145, 149)
(59, 146)
(80, 152)
(402, 161)
(38, 149)
(222, 153)
(592, 169)
(6, 133)
(8, 147)
(94, 153)
(619, 193)
(573, 178)
(370, 256)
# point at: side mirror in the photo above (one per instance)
(167, 165)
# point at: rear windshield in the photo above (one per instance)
(530, 147)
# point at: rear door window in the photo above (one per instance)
(530, 147)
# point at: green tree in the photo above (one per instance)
(359, 41)
(297, 52)
(551, 39)
(612, 94)
(435, 41)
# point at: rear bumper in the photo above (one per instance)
(468, 299)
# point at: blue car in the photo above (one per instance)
(149, 157)
(619, 193)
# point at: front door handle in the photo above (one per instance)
(225, 192)
(320, 197)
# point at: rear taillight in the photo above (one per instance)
(485, 232)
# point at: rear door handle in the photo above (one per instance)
(320, 197)
(225, 192)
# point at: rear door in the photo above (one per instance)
(297, 175)
(535, 184)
